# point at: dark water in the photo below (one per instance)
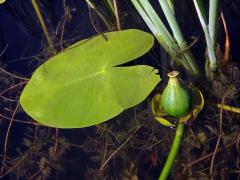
(21, 35)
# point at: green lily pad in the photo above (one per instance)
(84, 85)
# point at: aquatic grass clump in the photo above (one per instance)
(175, 45)
(209, 29)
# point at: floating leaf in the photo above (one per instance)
(2, 1)
(85, 86)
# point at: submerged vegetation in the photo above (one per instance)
(136, 143)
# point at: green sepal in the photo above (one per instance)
(164, 122)
(197, 106)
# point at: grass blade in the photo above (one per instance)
(160, 31)
(201, 14)
(178, 35)
(213, 11)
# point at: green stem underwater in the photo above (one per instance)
(44, 27)
(173, 152)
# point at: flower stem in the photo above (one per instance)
(44, 27)
(210, 44)
(173, 152)
(171, 18)
(213, 13)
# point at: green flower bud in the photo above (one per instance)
(175, 99)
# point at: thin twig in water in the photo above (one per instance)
(20, 121)
(6, 139)
(13, 75)
(4, 50)
(94, 27)
(188, 47)
(120, 147)
(219, 136)
(66, 14)
(35, 133)
(35, 174)
(15, 166)
(12, 87)
(116, 15)
(187, 166)
(43, 25)
(56, 143)
(8, 99)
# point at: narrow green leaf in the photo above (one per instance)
(179, 36)
(157, 27)
(201, 10)
(171, 5)
(210, 46)
(213, 13)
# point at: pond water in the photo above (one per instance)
(136, 144)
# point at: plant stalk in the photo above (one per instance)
(213, 11)
(225, 107)
(101, 15)
(109, 4)
(210, 46)
(161, 33)
(178, 35)
(155, 24)
(171, 5)
(173, 152)
(116, 13)
(44, 27)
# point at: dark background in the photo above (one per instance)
(22, 37)
(21, 34)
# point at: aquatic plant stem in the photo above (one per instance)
(6, 139)
(210, 46)
(109, 4)
(173, 152)
(101, 16)
(44, 27)
(156, 25)
(170, 16)
(171, 5)
(220, 134)
(225, 107)
(121, 146)
(116, 13)
(213, 12)
(163, 36)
